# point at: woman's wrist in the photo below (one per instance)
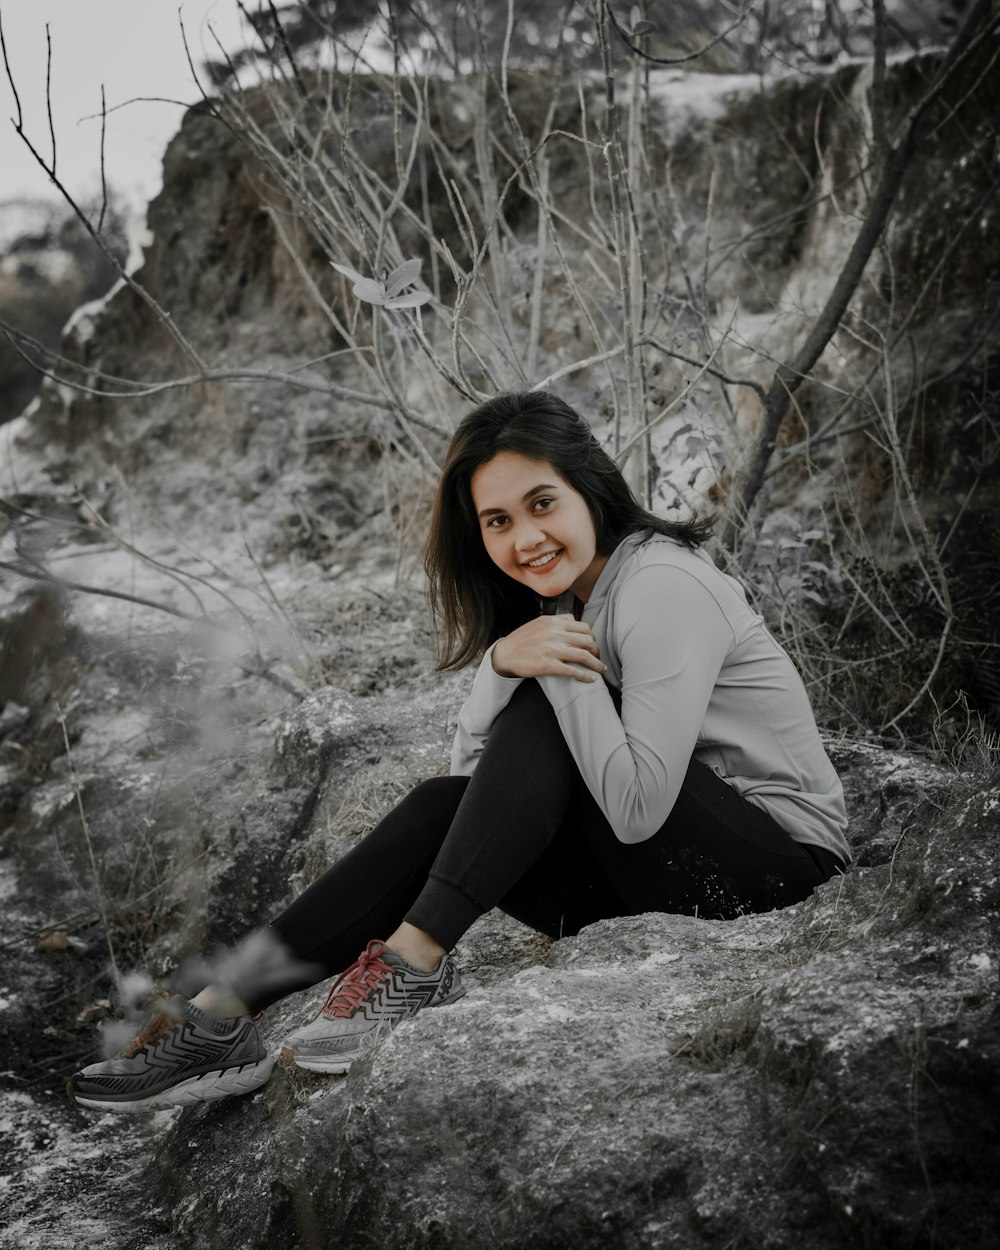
(497, 662)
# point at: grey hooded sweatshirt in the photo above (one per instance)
(699, 675)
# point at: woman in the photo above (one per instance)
(642, 745)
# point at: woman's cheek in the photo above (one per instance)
(495, 552)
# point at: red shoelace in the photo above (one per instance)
(357, 982)
(161, 1023)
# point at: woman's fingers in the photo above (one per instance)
(576, 661)
(589, 658)
(579, 656)
(577, 671)
(557, 645)
(581, 635)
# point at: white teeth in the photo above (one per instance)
(543, 560)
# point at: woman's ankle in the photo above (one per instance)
(417, 947)
(220, 1002)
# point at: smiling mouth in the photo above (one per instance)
(543, 562)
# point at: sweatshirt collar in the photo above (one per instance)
(629, 544)
(610, 571)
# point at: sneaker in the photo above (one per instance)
(183, 1056)
(367, 1001)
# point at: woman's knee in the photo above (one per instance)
(435, 793)
(528, 705)
(529, 692)
(526, 739)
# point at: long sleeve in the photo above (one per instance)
(489, 696)
(671, 638)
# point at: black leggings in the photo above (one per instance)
(524, 834)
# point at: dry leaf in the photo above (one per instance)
(99, 1007)
(59, 941)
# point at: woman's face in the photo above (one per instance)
(537, 529)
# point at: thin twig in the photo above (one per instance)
(129, 389)
(880, 134)
(278, 605)
(104, 181)
(749, 475)
(828, 430)
(48, 96)
(49, 169)
(98, 884)
(39, 575)
(19, 121)
(705, 367)
(576, 366)
(255, 666)
(668, 408)
(677, 60)
(288, 51)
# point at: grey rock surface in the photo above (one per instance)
(820, 1075)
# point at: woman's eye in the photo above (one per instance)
(495, 522)
(543, 503)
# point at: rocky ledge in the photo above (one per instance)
(819, 1076)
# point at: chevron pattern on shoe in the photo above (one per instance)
(367, 1001)
(395, 1000)
(190, 1050)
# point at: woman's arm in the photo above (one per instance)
(549, 644)
(488, 697)
(672, 639)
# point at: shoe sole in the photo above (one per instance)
(209, 1087)
(337, 1065)
(329, 1067)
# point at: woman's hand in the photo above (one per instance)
(549, 646)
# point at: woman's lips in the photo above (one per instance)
(546, 564)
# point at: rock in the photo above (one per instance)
(887, 792)
(67, 1179)
(820, 1075)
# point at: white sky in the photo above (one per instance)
(133, 47)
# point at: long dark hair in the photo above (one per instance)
(473, 602)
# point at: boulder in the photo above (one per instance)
(821, 1075)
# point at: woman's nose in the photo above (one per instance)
(527, 536)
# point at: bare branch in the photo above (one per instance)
(130, 389)
(616, 177)
(104, 181)
(646, 427)
(288, 52)
(102, 909)
(704, 367)
(829, 430)
(749, 475)
(19, 121)
(973, 88)
(576, 366)
(40, 575)
(880, 135)
(161, 314)
(48, 96)
(623, 35)
(729, 246)
(254, 666)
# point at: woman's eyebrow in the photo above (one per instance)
(528, 494)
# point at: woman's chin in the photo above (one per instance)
(548, 588)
